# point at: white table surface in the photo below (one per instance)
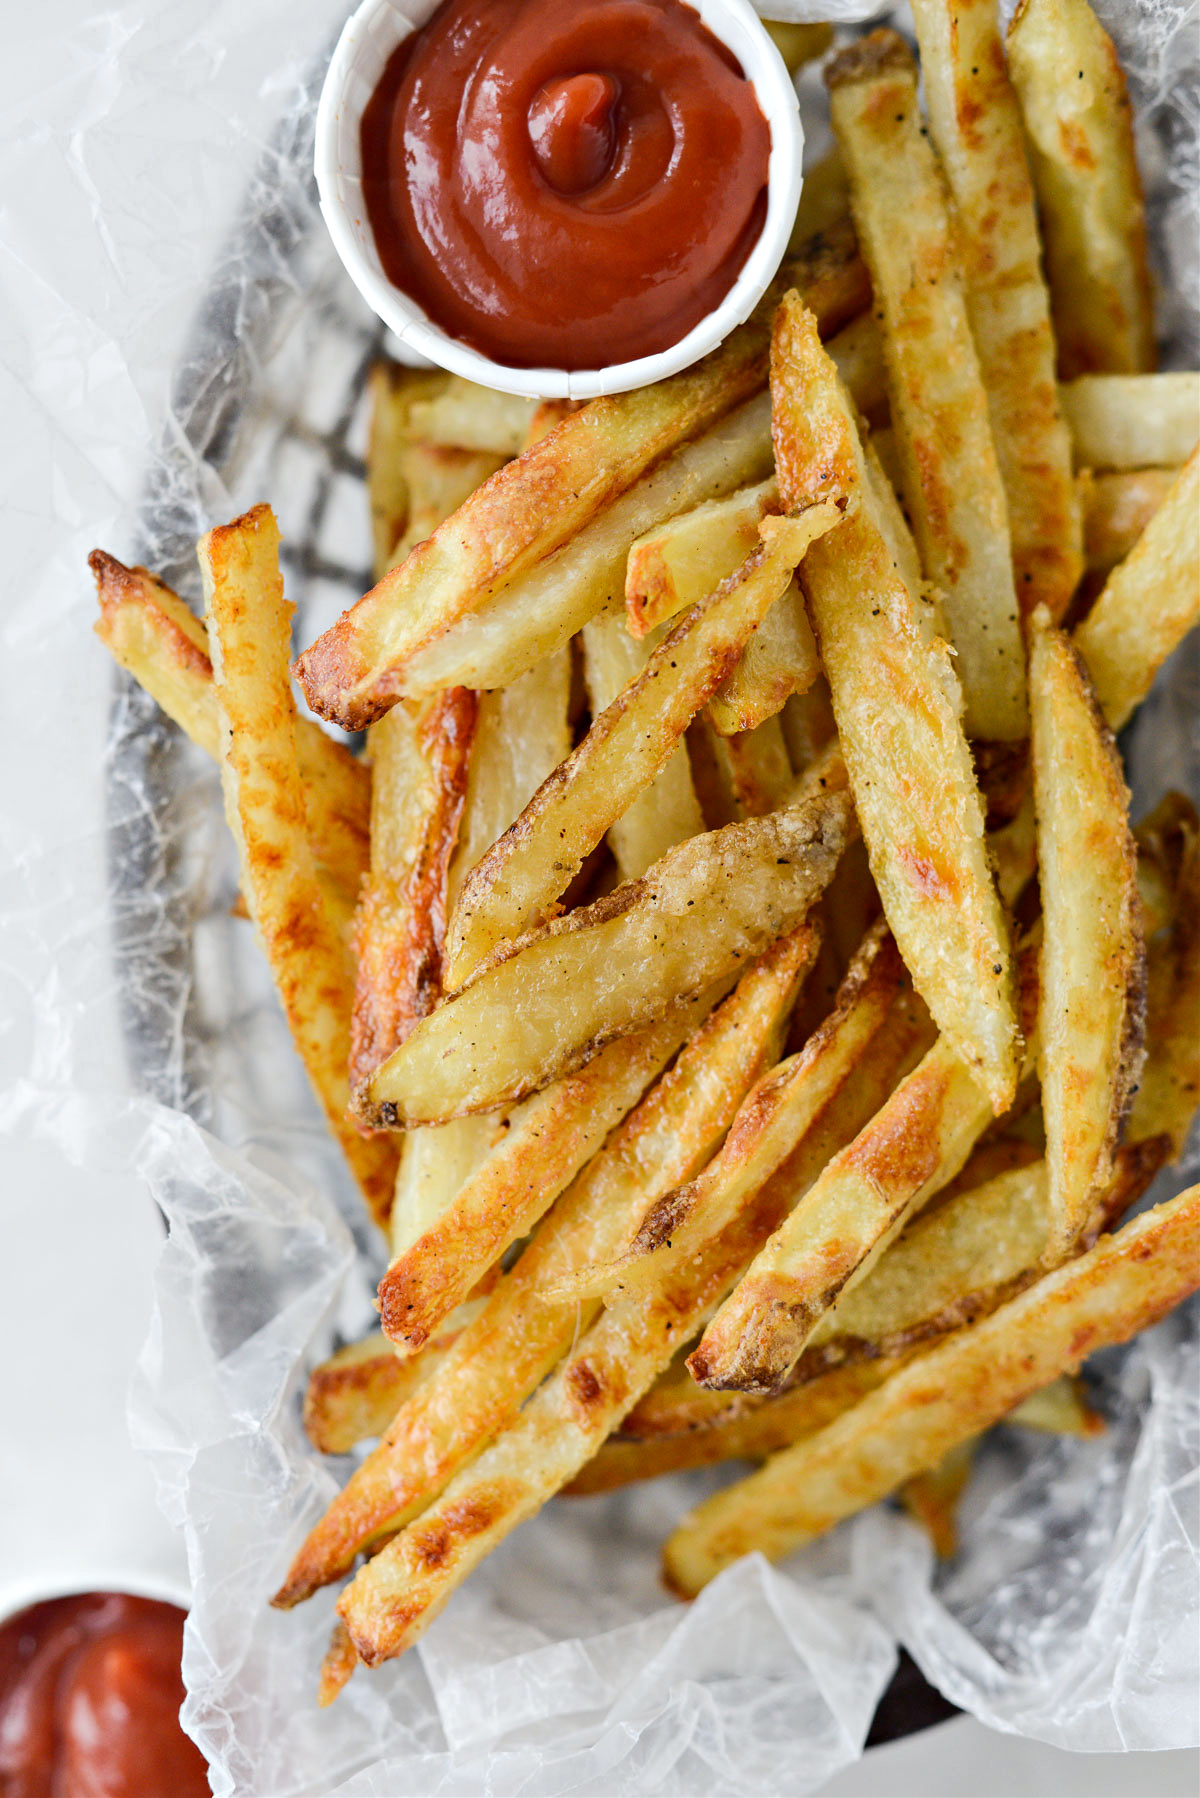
(76, 1504)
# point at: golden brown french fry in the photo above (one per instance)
(895, 700)
(1093, 968)
(358, 1390)
(1169, 1090)
(772, 1120)
(780, 659)
(672, 568)
(976, 128)
(515, 887)
(798, 44)
(526, 512)
(248, 634)
(1133, 421)
(399, 1592)
(337, 1667)
(1079, 128)
(419, 762)
(393, 392)
(857, 352)
(154, 634)
(545, 1005)
(1148, 604)
(439, 478)
(762, 1428)
(463, 415)
(759, 770)
(915, 1144)
(1117, 507)
(499, 1359)
(931, 1498)
(667, 811)
(1126, 1283)
(824, 200)
(939, 409)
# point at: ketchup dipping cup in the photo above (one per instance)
(369, 40)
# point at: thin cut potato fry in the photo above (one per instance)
(831, 1240)
(780, 659)
(393, 392)
(931, 1497)
(672, 568)
(357, 1391)
(895, 700)
(1133, 421)
(824, 200)
(527, 511)
(398, 1593)
(337, 1667)
(1148, 604)
(501, 1357)
(667, 811)
(972, 1380)
(857, 353)
(759, 771)
(976, 128)
(939, 408)
(515, 886)
(151, 632)
(439, 480)
(543, 1005)
(419, 762)
(436, 1164)
(798, 44)
(248, 626)
(762, 1428)
(772, 1120)
(1093, 965)
(1117, 507)
(1079, 127)
(522, 733)
(1169, 1090)
(467, 416)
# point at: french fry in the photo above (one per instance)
(419, 761)
(393, 392)
(337, 1667)
(780, 659)
(544, 1005)
(762, 1428)
(798, 44)
(976, 128)
(1079, 127)
(857, 354)
(1133, 421)
(393, 1598)
(439, 478)
(824, 200)
(499, 1359)
(515, 886)
(1169, 1091)
(915, 1144)
(1059, 1409)
(463, 415)
(895, 700)
(153, 634)
(939, 409)
(1148, 604)
(1124, 1284)
(531, 508)
(358, 1390)
(1117, 507)
(667, 811)
(758, 769)
(672, 568)
(772, 1120)
(541, 547)
(248, 635)
(1093, 970)
(436, 1164)
(931, 1498)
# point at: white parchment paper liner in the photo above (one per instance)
(1072, 1613)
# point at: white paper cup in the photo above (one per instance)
(363, 50)
(18, 1595)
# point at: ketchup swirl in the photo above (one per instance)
(565, 182)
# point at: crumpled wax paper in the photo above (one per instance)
(181, 344)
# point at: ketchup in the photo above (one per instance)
(90, 1690)
(565, 182)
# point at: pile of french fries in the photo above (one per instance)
(731, 971)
